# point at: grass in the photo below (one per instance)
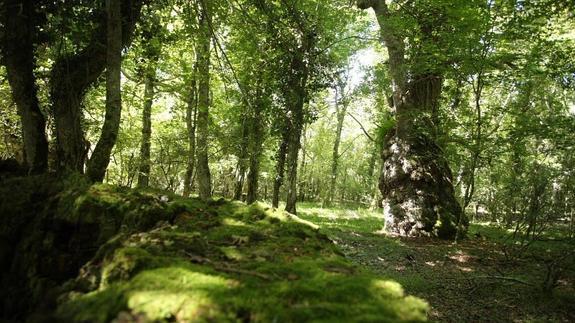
(473, 280)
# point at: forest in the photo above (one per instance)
(287, 161)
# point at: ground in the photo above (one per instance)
(153, 256)
(76, 252)
(471, 281)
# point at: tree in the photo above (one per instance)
(203, 61)
(20, 24)
(152, 43)
(98, 163)
(341, 104)
(71, 76)
(416, 182)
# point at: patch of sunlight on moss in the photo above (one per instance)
(105, 193)
(175, 292)
(231, 221)
(232, 253)
(388, 288)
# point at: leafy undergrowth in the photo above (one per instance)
(225, 261)
(472, 281)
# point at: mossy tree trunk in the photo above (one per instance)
(100, 159)
(19, 60)
(203, 59)
(416, 181)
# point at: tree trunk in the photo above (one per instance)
(302, 167)
(243, 160)
(203, 50)
(191, 122)
(296, 102)
(341, 110)
(280, 168)
(416, 181)
(255, 151)
(71, 76)
(296, 96)
(19, 58)
(292, 159)
(145, 146)
(100, 159)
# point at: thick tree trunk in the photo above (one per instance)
(191, 121)
(280, 168)
(204, 177)
(19, 58)
(71, 76)
(100, 159)
(416, 181)
(145, 145)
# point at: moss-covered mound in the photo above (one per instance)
(163, 258)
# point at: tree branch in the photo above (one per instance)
(362, 128)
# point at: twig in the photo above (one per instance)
(361, 126)
(511, 279)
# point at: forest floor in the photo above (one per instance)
(471, 281)
(75, 252)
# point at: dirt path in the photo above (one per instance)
(468, 282)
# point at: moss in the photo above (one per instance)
(240, 266)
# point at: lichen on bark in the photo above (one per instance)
(419, 198)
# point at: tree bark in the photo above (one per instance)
(19, 58)
(203, 50)
(191, 122)
(280, 167)
(243, 159)
(256, 134)
(100, 159)
(293, 148)
(296, 96)
(149, 93)
(416, 181)
(72, 75)
(296, 99)
(341, 110)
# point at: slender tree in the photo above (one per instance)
(152, 48)
(203, 59)
(100, 159)
(341, 105)
(191, 123)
